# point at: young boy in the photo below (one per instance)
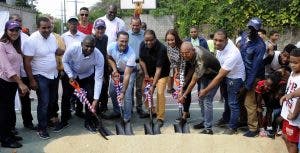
(290, 128)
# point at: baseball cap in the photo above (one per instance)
(99, 23)
(12, 24)
(255, 22)
(73, 19)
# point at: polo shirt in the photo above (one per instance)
(135, 40)
(43, 52)
(155, 57)
(69, 38)
(122, 59)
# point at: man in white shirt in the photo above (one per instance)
(233, 71)
(40, 66)
(85, 64)
(73, 35)
(113, 23)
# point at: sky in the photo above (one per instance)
(54, 7)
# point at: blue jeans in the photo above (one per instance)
(206, 103)
(127, 105)
(233, 87)
(46, 94)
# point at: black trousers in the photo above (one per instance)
(103, 99)
(53, 108)
(26, 105)
(7, 107)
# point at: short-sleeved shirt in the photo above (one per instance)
(123, 59)
(272, 63)
(86, 29)
(174, 56)
(43, 52)
(69, 39)
(231, 60)
(289, 105)
(206, 65)
(155, 57)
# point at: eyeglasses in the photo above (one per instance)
(84, 15)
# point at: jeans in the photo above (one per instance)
(206, 103)
(127, 103)
(46, 94)
(233, 87)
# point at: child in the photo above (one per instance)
(267, 90)
(290, 128)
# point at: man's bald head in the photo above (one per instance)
(89, 38)
(187, 50)
(88, 45)
(111, 12)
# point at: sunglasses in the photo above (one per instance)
(84, 15)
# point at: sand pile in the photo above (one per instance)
(165, 143)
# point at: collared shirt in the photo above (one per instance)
(10, 61)
(174, 56)
(43, 52)
(112, 28)
(195, 42)
(231, 60)
(69, 38)
(156, 56)
(206, 65)
(122, 59)
(135, 40)
(252, 52)
(76, 65)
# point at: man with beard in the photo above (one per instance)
(252, 50)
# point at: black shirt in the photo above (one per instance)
(101, 44)
(155, 57)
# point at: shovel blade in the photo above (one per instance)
(185, 128)
(177, 128)
(128, 129)
(156, 129)
(148, 129)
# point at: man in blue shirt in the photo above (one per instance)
(85, 64)
(252, 50)
(121, 59)
(136, 36)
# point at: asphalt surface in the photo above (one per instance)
(33, 144)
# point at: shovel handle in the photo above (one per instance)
(75, 85)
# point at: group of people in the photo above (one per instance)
(251, 74)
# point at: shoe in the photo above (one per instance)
(80, 114)
(111, 116)
(250, 134)
(160, 122)
(43, 134)
(30, 127)
(17, 138)
(10, 143)
(14, 132)
(230, 131)
(221, 122)
(270, 134)
(90, 128)
(59, 127)
(207, 131)
(170, 91)
(199, 126)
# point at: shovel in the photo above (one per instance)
(81, 94)
(150, 128)
(123, 127)
(182, 126)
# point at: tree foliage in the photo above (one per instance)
(230, 14)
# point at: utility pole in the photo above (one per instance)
(75, 2)
(62, 18)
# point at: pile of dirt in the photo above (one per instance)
(165, 143)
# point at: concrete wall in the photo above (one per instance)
(159, 24)
(28, 16)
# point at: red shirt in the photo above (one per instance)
(261, 88)
(85, 29)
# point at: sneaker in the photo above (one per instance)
(207, 131)
(59, 127)
(251, 134)
(90, 128)
(43, 134)
(230, 131)
(160, 122)
(199, 126)
(221, 122)
(10, 143)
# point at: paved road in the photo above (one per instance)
(33, 144)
